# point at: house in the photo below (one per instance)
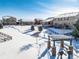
(62, 20)
(48, 21)
(9, 20)
(66, 19)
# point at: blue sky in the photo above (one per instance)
(29, 9)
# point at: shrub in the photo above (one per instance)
(32, 28)
(40, 28)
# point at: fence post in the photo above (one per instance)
(48, 43)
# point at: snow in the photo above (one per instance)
(11, 49)
(24, 45)
(60, 31)
(67, 14)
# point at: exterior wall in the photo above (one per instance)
(65, 20)
(48, 22)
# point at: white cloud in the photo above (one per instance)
(71, 0)
(50, 12)
(46, 11)
(56, 11)
(53, 10)
(66, 10)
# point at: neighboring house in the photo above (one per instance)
(66, 19)
(9, 20)
(48, 22)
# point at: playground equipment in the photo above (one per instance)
(62, 47)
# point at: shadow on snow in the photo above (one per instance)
(35, 34)
(25, 47)
(27, 31)
(43, 54)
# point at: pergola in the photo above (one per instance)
(61, 38)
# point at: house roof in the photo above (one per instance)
(60, 37)
(6, 17)
(62, 15)
(48, 19)
(67, 14)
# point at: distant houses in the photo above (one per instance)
(38, 21)
(62, 20)
(10, 20)
(27, 22)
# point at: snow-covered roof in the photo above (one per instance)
(48, 19)
(60, 37)
(6, 17)
(67, 14)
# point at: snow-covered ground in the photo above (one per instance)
(18, 47)
(25, 45)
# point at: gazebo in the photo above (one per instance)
(61, 38)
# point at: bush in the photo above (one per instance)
(1, 26)
(77, 26)
(32, 28)
(75, 34)
(40, 28)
